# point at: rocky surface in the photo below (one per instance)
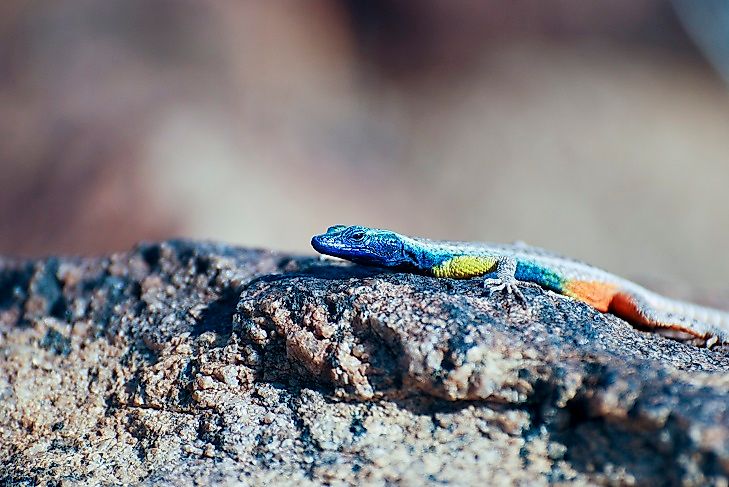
(186, 363)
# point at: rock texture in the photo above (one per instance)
(187, 363)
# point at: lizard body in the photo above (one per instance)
(505, 266)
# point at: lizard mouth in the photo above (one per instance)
(325, 244)
(319, 244)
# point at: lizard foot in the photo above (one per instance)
(510, 286)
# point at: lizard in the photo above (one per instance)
(504, 268)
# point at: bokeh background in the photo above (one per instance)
(597, 129)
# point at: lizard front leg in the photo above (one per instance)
(505, 279)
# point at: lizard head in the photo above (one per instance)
(370, 246)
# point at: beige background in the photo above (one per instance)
(599, 132)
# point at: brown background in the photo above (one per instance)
(598, 129)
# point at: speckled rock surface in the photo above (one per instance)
(188, 363)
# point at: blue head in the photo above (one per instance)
(364, 245)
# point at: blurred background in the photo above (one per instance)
(596, 129)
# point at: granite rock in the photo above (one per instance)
(189, 363)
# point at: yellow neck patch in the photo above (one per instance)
(464, 266)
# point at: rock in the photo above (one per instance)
(182, 363)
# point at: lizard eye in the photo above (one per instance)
(357, 236)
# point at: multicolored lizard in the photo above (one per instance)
(506, 266)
